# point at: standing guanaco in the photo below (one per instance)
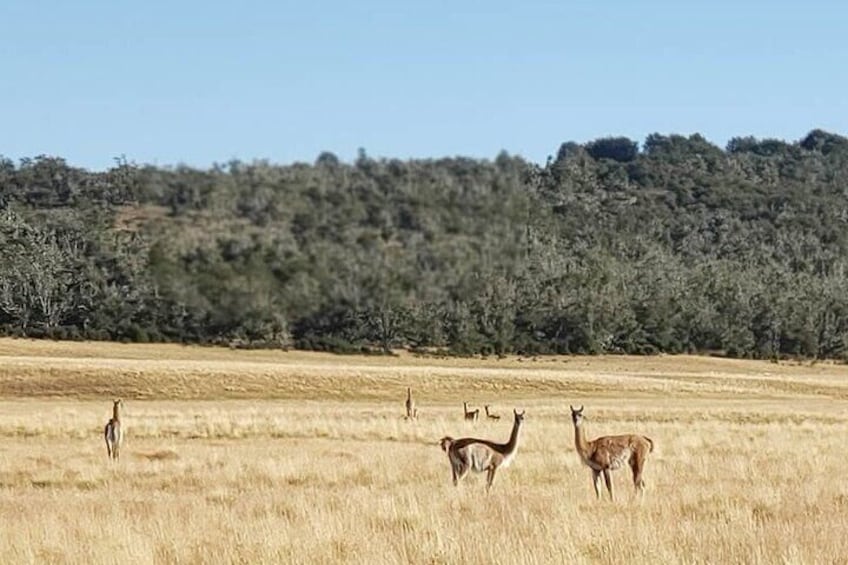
(478, 455)
(114, 432)
(608, 453)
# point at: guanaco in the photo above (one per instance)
(478, 455)
(470, 415)
(113, 432)
(608, 453)
(411, 410)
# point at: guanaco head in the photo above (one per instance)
(576, 415)
(519, 416)
(116, 405)
(445, 443)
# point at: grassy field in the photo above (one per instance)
(271, 457)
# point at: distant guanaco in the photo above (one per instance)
(608, 453)
(470, 415)
(478, 455)
(491, 415)
(114, 432)
(411, 410)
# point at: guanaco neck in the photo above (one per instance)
(116, 412)
(512, 444)
(409, 395)
(580, 441)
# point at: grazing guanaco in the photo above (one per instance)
(490, 415)
(114, 432)
(478, 455)
(608, 453)
(470, 415)
(411, 410)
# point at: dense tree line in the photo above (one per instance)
(674, 245)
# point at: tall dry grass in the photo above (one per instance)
(272, 458)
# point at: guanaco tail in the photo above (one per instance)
(478, 455)
(608, 453)
(491, 415)
(114, 432)
(470, 415)
(411, 410)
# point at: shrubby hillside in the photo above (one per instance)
(671, 245)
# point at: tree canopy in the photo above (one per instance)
(678, 247)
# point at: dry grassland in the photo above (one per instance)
(269, 457)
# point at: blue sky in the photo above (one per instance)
(203, 82)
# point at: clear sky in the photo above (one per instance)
(202, 82)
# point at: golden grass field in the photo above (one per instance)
(274, 457)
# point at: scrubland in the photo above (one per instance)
(274, 457)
